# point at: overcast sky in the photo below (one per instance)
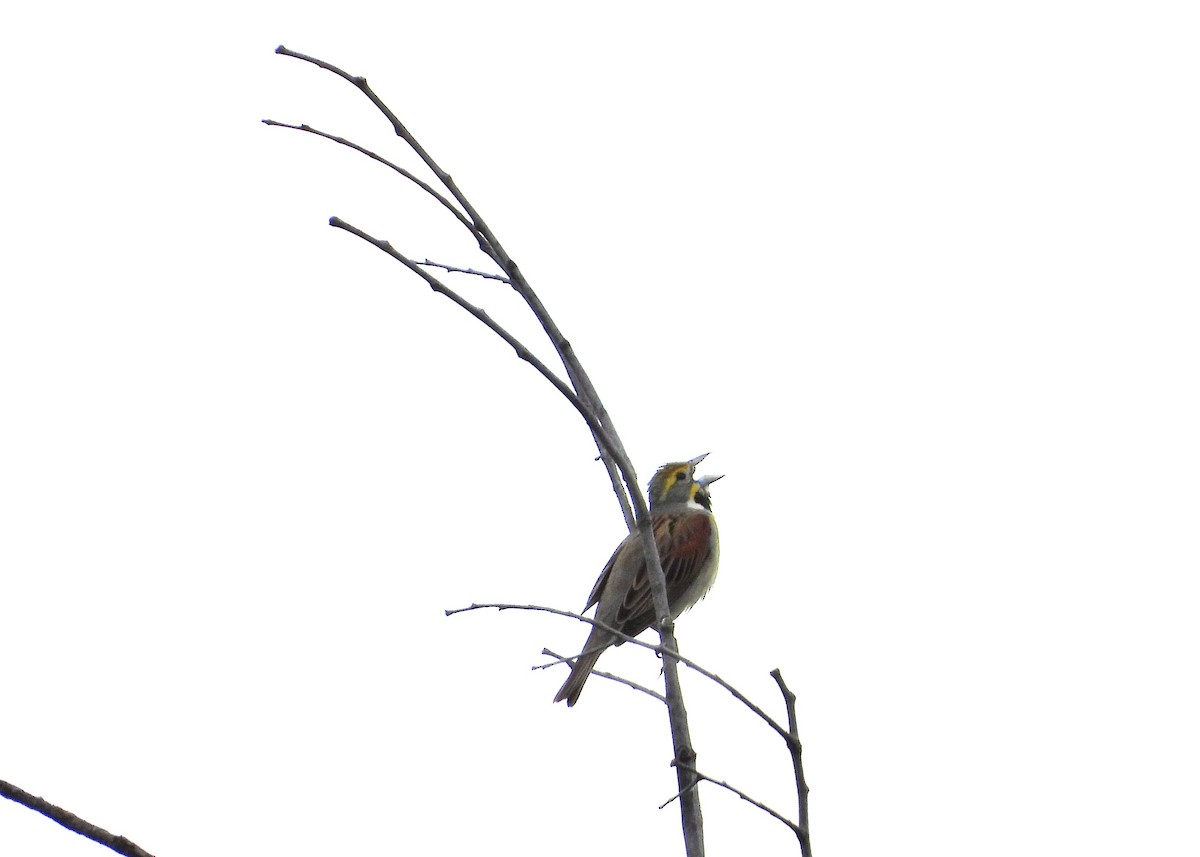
(922, 277)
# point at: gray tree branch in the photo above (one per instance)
(71, 821)
(588, 403)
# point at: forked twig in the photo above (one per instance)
(796, 751)
(658, 649)
(707, 779)
(483, 316)
(790, 735)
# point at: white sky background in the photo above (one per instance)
(922, 277)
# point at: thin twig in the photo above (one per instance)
(775, 815)
(480, 228)
(487, 244)
(71, 821)
(452, 269)
(423, 185)
(658, 649)
(697, 778)
(625, 638)
(737, 694)
(481, 314)
(789, 699)
(560, 659)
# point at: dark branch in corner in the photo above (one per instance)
(72, 822)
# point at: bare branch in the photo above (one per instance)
(775, 815)
(560, 659)
(425, 186)
(455, 270)
(796, 750)
(587, 402)
(522, 352)
(557, 612)
(496, 252)
(737, 694)
(491, 246)
(72, 822)
(659, 649)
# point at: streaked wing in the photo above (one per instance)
(684, 546)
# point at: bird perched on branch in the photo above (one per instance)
(686, 533)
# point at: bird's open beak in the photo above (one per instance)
(705, 481)
(698, 459)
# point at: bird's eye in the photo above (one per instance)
(680, 476)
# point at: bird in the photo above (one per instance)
(686, 534)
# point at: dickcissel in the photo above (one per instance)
(686, 533)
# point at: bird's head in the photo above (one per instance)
(677, 483)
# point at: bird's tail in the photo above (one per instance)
(573, 686)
